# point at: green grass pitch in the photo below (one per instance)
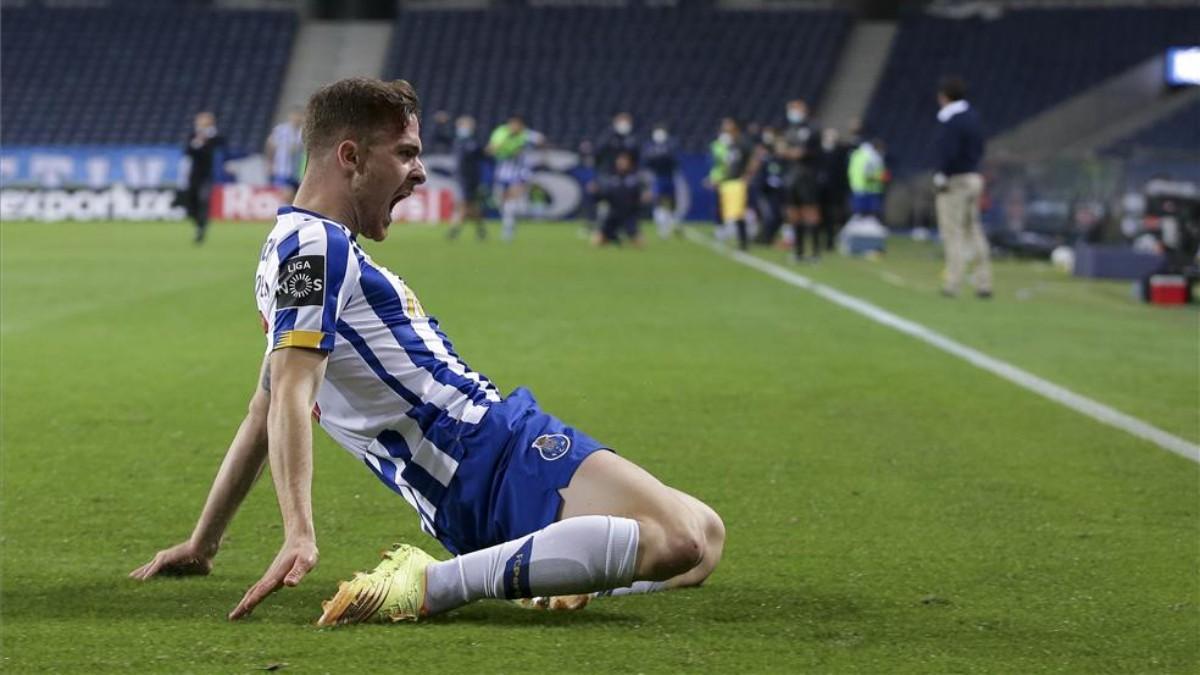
(889, 508)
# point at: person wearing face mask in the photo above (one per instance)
(801, 197)
(619, 139)
(468, 172)
(203, 147)
(834, 184)
(661, 158)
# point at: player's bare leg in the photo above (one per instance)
(608, 484)
(620, 528)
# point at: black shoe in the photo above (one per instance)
(984, 294)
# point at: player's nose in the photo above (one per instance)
(418, 174)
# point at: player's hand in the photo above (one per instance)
(184, 559)
(295, 560)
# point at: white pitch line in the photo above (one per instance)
(1077, 402)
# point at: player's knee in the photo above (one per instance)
(683, 547)
(714, 532)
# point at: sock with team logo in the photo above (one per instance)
(573, 556)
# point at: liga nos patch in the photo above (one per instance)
(301, 282)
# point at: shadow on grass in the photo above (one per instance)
(203, 599)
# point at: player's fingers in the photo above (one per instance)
(149, 569)
(253, 596)
(299, 568)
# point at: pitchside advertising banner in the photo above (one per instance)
(52, 184)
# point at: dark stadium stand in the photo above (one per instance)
(568, 70)
(1016, 66)
(104, 77)
(1177, 134)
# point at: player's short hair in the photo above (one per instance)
(356, 108)
(952, 87)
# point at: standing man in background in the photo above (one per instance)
(959, 188)
(284, 149)
(620, 139)
(801, 195)
(202, 147)
(468, 171)
(617, 140)
(834, 184)
(661, 159)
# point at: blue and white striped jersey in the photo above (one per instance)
(395, 393)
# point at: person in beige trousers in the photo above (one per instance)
(959, 189)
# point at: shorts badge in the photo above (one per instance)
(552, 446)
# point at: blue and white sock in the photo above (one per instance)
(572, 556)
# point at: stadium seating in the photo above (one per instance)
(1018, 65)
(568, 70)
(1177, 134)
(121, 76)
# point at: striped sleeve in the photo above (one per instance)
(312, 287)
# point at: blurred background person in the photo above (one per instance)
(767, 185)
(801, 192)
(468, 173)
(661, 159)
(866, 173)
(618, 139)
(203, 146)
(733, 155)
(509, 145)
(441, 134)
(284, 150)
(959, 185)
(833, 183)
(624, 190)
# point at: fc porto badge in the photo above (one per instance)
(552, 446)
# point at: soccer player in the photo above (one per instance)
(468, 170)
(202, 147)
(284, 148)
(509, 144)
(530, 507)
(661, 159)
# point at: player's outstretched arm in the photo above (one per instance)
(241, 467)
(296, 374)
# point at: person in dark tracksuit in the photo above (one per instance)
(468, 173)
(661, 159)
(834, 184)
(202, 147)
(625, 192)
(959, 185)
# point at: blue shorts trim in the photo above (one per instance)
(867, 202)
(513, 465)
(664, 187)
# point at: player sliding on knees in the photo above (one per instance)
(530, 507)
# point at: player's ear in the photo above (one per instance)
(349, 155)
